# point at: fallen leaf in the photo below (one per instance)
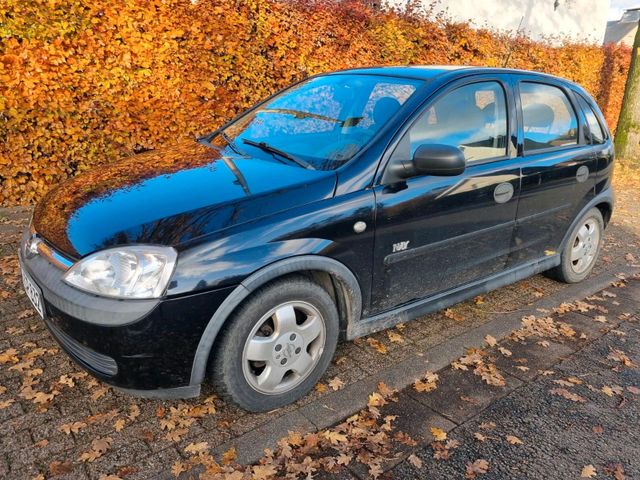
(616, 471)
(479, 467)
(427, 384)
(119, 425)
(480, 437)
(229, 456)
(336, 384)
(438, 434)
(588, 472)
(600, 318)
(513, 440)
(334, 437)
(504, 351)
(491, 341)
(60, 468)
(320, 388)
(98, 448)
(377, 345)
(563, 392)
(73, 427)
(395, 337)
(196, 447)
(415, 461)
(178, 467)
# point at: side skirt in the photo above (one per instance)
(419, 308)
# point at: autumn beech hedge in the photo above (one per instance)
(83, 82)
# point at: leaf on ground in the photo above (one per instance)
(453, 315)
(119, 425)
(479, 467)
(438, 434)
(415, 461)
(480, 437)
(384, 390)
(513, 440)
(229, 457)
(616, 471)
(334, 437)
(6, 403)
(263, 472)
(60, 468)
(491, 341)
(336, 384)
(72, 427)
(134, 412)
(427, 384)
(395, 337)
(600, 319)
(320, 388)
(376, 400)
(99, 447)
(620, 356)
(564, 393)
(176, 434)
(199, 447)
(377, 345)
(504, 351)
(178, 467)
(588, 471)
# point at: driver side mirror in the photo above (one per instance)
(439, 160)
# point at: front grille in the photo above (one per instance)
(83, 354)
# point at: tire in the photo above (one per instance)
(289, 325)
(581, 250)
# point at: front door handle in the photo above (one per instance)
(503, 192)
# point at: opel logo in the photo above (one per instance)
(31, 249)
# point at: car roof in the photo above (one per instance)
(428, 72)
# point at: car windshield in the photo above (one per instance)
(320, 123)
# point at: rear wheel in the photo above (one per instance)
(277, 344)
(581, 251)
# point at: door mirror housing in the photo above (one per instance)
(439, 160)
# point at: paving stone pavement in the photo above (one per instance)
(148, 436)
(559, 436)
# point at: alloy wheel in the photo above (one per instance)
(283, 347)
(585, 246)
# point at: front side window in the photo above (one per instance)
(597, 134)
(320, 123)
(547, 116)
(472, 118)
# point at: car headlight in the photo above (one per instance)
(127, 272)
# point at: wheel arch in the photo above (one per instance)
(604, 202)
(332, 275)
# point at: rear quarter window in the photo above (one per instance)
(548, 118)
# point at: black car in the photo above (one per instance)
(338, 207)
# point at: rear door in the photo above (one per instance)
(558, 166)
(434, 233)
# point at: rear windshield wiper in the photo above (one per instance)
(268, 148)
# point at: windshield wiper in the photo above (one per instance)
(268, 148)
(230, 143)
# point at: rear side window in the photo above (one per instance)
(548, 118)
(597, 133)
(472, 118)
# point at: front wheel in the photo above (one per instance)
(581, 251)
(277, 345)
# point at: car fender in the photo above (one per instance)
(606, 196)
(261, 277)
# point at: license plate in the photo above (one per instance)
(33, 293)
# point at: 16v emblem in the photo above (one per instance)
(400, 246)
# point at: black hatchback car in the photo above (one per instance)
(338, 207)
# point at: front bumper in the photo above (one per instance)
(145, 347)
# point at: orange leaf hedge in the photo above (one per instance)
(83, 82)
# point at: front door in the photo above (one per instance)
(434, 233)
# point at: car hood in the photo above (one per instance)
(171, 196)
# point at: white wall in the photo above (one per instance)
(578, 19)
